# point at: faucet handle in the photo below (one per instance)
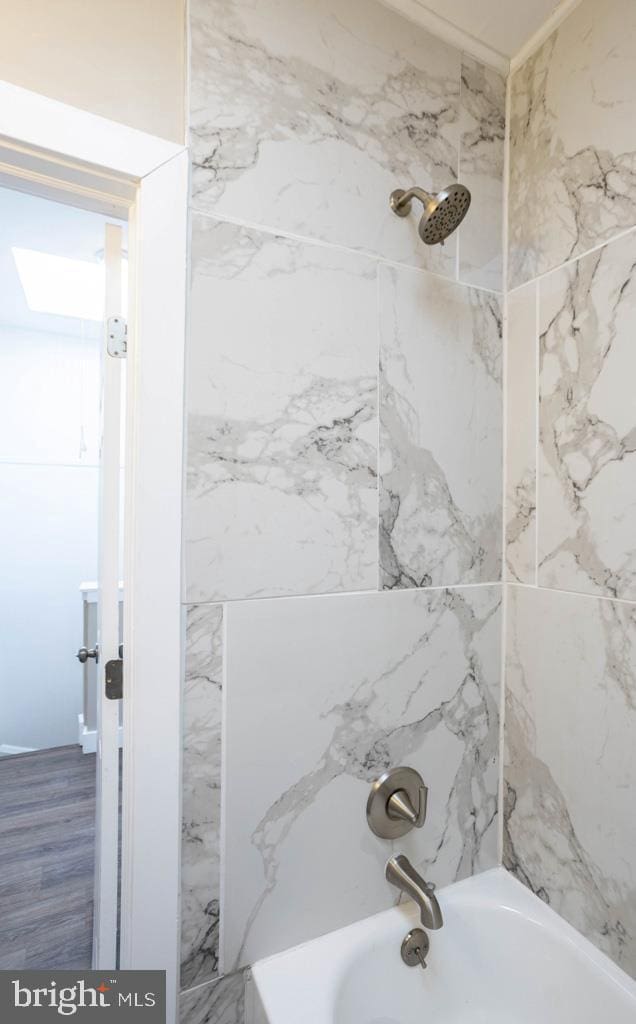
(397, 803)
(400, 808)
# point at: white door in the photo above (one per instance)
(108, 709)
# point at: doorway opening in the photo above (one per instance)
(59, 837)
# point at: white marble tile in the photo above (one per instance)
(521, 448)
(570, 771)
(587, 484)
(282, 417)
(323, 695)
(440, 441)
(201, 780)
(218, 1002)
(573, 139)
(306, 114)
(481, 157)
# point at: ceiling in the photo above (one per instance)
(29, 222)
(493, 30)
(503, 25)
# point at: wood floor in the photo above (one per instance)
(47, 836)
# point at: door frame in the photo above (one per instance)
(107, 801)
(69, 150)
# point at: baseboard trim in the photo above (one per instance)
(6, 749)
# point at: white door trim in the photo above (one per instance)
(107, 791)
(152, 577)
(154, 472)
(76, 135)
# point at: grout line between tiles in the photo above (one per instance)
(504, 368)
(574, 593)
(537, 429)
(459, 158)
(341, 593)
(211, 981)
(361, 253)
(504, 479)
(378, 409)
(220, 954)
(574, 259)
(502, 726)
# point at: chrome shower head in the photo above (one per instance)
(442, 213)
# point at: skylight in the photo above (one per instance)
(61, 286)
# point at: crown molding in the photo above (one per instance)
(558, 16)
(443, 29)
(415, 11)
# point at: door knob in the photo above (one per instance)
(84, 654)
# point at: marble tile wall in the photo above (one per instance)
(570, 727)
(573, 140)
(216, 1002)
(587, 419)
(440, 381)
(349, 686)
(482, 130)
(570, 828)
(201, 797)
(343, 381)
(306, 114)
(282, 411)
(521, 441)
(339, 374)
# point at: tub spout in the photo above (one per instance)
(401, 873)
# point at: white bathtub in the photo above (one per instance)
(502, 957)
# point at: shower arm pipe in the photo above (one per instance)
(404, 202)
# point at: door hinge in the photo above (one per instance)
(117, 336)
(115, 679)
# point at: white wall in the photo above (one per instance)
(123, 59)
(49, 415)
